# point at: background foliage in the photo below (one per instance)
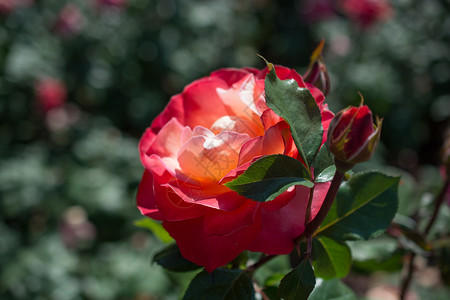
(69, 171)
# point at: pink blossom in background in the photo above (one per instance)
(317, 10)
(8, 6)
(111, 3)
(75, 228)
(69, 21)
(50, 93)
(366, 13)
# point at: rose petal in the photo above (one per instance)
(271, 143)
(215, 196)
(240, 101)
(226, 223)
(269, 118)
(146, 198)
(283, 73)
(231, 75)
(171, 205)
(209, 158)
(145, 142)
(360, 131)
(210, 251)
(174, 109)
(201, 103)
(168, 140)
(320, 191)
(282, 226)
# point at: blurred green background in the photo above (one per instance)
(81, 80)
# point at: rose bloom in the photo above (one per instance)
(206, 136)
(366, 12)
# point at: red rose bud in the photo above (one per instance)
(353, 137)
(317, 73)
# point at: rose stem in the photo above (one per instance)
(264, 259)
(410, 269)
(323, 211)
(440, 199)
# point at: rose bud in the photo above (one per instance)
(353, 137)
(317, 73)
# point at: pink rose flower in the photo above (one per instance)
(366, 12)
(206, 136)
(50, 93)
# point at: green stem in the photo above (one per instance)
(312, 226)
(440, 199)
(410, 269)
(260, 262)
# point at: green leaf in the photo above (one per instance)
(332, 289)
(365, 205)
(324, 163)
(155, 227)
(331, 259)
(271, 286)
(299, 283)
(270, 176)
(377, 254)
(444, 264)
(271, 292)
(299, 108)
(326, 175)
(221, 284)
(171, 259)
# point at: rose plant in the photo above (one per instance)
(240, 161)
